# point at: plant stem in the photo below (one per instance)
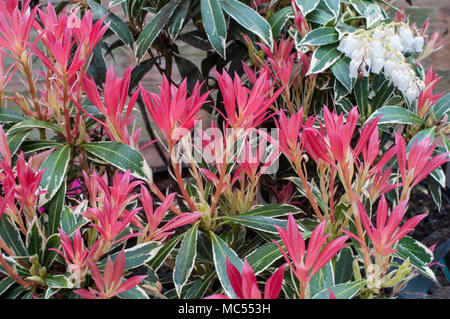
(309, 193)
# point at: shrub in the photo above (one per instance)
(323, 119)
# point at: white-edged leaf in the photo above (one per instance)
(263, 257)
(323, 58)
(341, 71)
(419, 255)
(116, 24)
(11, 236)
(178, 18)
(184, 263)
(266, 224)
(135, 256)
(341, 291)
(8, 116)
(56, 165)
(33, 124)
(16, 140)
(333, 6)
(441, 107)
(153, 28)
(249, 19)
(306, 6)
(272, 210)
(58, 281)
(221, 251)
(321, 36)
(134, 293)
(395, 115)
(164, 252)
(322, 279)
(121, 156)
(278, 20)
(214, 24)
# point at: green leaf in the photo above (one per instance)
(153, 28)
(97, 67)
(315, 191)
(55, 210)
(165, 251)
(320, 36)
(7, 116)
(323, 58)
(419, 137)
(419, 255)
(395, 114)
(343, 29)
(11, 236)
(435, 190)
(323, 279)
(368, 9)
(116, 24)
(197, 39)
(185, 260)
(306, 6)
(342, 291)
(266, 224)
(439, 176)
(14, 293)
(113, 3)
(214, 25)
(441, 107)
(342, 73)
(189, 71)
(134, 293)
(221, 251)
(121, 156)
(199, 288)
(320, 17)
(178, 18)
(362, 95)
(382, 94)
(344, 266)
(249, 19)
(35, 239)
(289, 284)
(32, 124)
(56, 165)
(333, 6)
(263, 257)
(136, 256)
(340, 92)
(137, 6)
(140, 71)
(446, 141)
(5, 284)
(50, 292)
(33, 146)
(16, 140)
(58, 281)
(68, 220)
(278, 20)
(49, 255)
(273, 210)
(73, 220)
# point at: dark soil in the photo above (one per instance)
(433, 230)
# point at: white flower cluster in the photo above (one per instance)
(383, 49)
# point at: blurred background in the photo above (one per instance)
(439, 13)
